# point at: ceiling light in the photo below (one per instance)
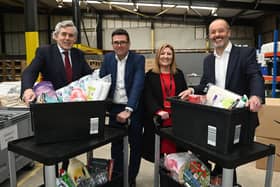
(214, 12)
(203, 8)
(135, 9)
(118, 3)
(59, 3)
(183, 6)
(88, 1)
(155, 5)
(94, 2)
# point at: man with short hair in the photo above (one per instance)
(232, 68)
(128, 73)
(58, 63)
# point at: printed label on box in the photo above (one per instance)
(237, 134)
(212, 135)
(94, 125)
(8, 134)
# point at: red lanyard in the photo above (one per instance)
(166, 89)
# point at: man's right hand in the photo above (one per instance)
(28, 96)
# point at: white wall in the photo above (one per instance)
(181, 36)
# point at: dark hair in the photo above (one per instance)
(121, 32)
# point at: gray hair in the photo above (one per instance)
(64, 24)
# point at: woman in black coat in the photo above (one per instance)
(162, 81)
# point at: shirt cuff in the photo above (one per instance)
(129, 109)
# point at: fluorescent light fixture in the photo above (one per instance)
(93, 2)
(117, 3)
(88, 1)
(155, 5)
(183, 6)
(203, 8)
(147, 5)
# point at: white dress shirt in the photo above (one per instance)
(63, 56)
(120, 96)
(221, 64)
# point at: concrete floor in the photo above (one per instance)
(248, 175)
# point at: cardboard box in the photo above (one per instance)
(149, 63)
(268, 116)
(261, 163)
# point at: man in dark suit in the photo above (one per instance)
(233, 68)
(127, 72)
(50, 61)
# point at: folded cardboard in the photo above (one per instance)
(261, 163)
(269, 117)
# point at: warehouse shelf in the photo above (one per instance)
(10, 70)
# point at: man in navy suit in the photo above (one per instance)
(233, 68)
(49, 61)
(127, 72)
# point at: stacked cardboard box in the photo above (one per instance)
(269, 130)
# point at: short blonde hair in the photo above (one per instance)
(173, 68)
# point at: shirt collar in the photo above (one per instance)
(227, 49)
(124, 59)
(62, 50)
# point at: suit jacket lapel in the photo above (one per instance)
(75, 62)
(231, 65)
(114, 67)
(212, 69)
(59, 63)
(128, 67)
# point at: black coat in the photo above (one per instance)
(48, 61)
(153, 102)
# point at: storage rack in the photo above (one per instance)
(273, 79)
(10, 70)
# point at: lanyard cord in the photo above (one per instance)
(167, 91)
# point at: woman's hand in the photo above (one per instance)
(164, 115)
(185, 94)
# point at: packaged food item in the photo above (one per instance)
(77, 171)
(66, 179)
(198, 99)
(187, 169)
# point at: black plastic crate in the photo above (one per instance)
(211, 127)
(166, 180)
(57, 122)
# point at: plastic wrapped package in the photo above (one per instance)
(187, 169)
(87, 88)
(45, 92)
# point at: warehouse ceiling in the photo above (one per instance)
(243, 11)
